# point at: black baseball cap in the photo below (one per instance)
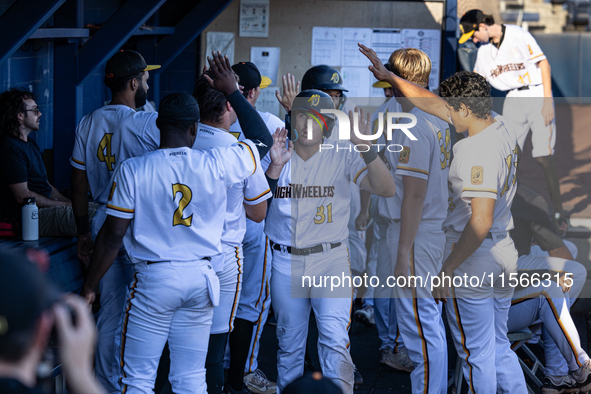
(25, 292)
(469, 23)
(179, 108)
(312, 383)
(126, 63)
(250, 76)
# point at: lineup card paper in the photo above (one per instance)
(326, 46)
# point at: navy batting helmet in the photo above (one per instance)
(323, 78)
(312, 102)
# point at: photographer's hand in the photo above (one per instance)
(76, 345)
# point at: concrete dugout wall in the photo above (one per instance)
(291, 23)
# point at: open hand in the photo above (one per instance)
(548, 111)
(363, 125)
(441, 292)
(224, 78)
(290, 91)
(377, 67)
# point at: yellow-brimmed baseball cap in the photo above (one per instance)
(250, 76)
(469, 23)
(126, 63)
(265, 81)
(381, 84)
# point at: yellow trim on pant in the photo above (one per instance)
(124, 331)
(259, 327)
(459, 323)
(237, 294)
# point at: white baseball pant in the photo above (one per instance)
(477, 318)
(524, 109)
(181, 315)
(230, 287)
(333, 315)
(419, 317)
(113, 289)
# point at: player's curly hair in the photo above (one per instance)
(212, 102)
(118, 85)
(12, 102)
(470, 89)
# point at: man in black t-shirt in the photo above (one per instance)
(22, 172)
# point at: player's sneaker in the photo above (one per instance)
(365, 316)
(559, 385)
(257, 382)
(358, 380)
(399, 361)
(583, 377)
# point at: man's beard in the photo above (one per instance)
(140, 97)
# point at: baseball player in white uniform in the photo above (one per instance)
(105, 138)
(255, 298)
(392, 349)
(414, 234)
(481, 188)
(511, 60)
(247, 198)
(174, 202)
(307, 225)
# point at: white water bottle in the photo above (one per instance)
(30, 222)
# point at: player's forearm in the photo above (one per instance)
(410, 219)
(253, 127)
(55, 194)
(80, 200)
(365, 198)
(561, 252)
(472, 237)
(420, 97)
(105, 251)
(41, 201)
(381, 181)
(546, 77)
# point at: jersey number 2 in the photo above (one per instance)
(186, 196)
(321, 217)
(104, 151)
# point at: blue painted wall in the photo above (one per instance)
(32, 66)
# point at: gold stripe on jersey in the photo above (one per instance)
(259, 196)
(413, 169)
(359, 173)
(251, 155)
(78, 161)
(541, 54)
(470, 189)
(127, 210)
(124, 332)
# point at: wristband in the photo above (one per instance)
(369, 156)
(82, 225)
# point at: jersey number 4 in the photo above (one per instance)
(321, 217)
(186, 196)
(104, 152)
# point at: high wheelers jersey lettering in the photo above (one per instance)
(300, 191)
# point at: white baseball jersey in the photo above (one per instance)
(251, 191)
(107, 137)
(312, 201)
(426, 158)
(390, 105)
(514, 63)
(174, 197)
(272, 123)
(484, 165)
